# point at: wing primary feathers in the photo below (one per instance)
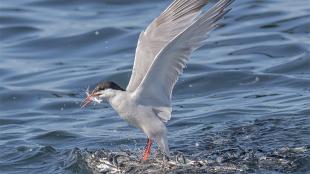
(187, 10)
(156, 87)
(173, 21)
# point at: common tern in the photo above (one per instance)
(162, 52)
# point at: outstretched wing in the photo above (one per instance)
(175, 19)
(157, 85)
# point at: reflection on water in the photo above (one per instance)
(242, 104)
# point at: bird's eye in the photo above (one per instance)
(100, 88)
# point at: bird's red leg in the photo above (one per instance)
(147, 149)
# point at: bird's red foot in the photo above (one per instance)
(147, 150)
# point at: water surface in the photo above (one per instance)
(242, 104)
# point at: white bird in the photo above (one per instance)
(162, 52)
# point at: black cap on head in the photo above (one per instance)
(107, 85)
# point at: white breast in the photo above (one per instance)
(125, 107)
(140, 116)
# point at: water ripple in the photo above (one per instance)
(241, 106)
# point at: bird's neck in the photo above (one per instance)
(112, 94)
(117, 98)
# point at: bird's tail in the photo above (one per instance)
(162, 142)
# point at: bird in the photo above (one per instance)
(162, 52)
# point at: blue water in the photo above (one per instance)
(242, 104)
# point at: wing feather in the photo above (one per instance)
(156, 88)
(175, 19)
